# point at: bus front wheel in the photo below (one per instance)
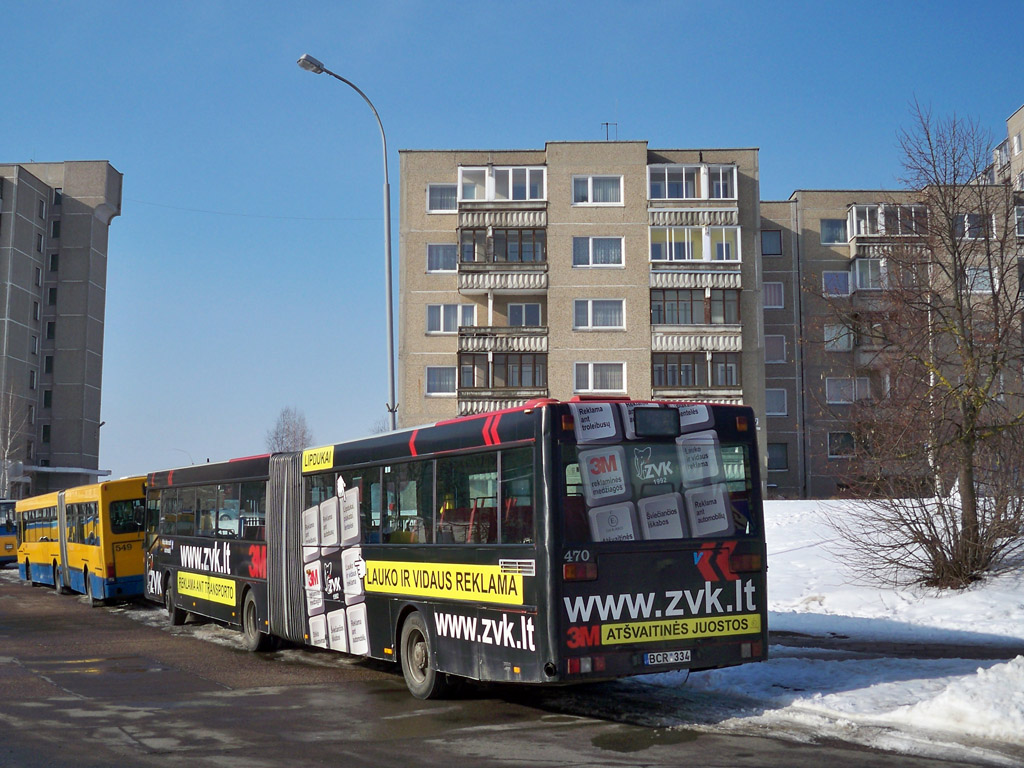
(255, 640)
(57, 582)
(174, 614)
(423, 680)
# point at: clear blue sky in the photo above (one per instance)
(246, 270)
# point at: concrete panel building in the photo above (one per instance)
(54, 219)
(581, 268)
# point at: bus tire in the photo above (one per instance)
(58, 587)
(174, 614)
(254, 639)
(28, 573)
(93, 600)
(422, 679)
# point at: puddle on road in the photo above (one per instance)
(635, 739)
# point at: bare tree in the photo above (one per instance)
(380, 426)
(939, 445)
(13, 428)
(290, 432)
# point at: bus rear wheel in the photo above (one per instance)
(174, 614)
(422, 679)
(58, 585)
(255, 640)
(28, 573)
(93, 600)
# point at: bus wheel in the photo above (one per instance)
(93, 600)
(28, 573)
(424, 681)
(57, 585)
(255, 640)
(174, 614)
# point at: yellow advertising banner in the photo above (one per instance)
(474, 583)
(206, 587)
(680, 629)
(317, 458)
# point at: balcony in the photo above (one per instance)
(725, 395)
(696, 338)
(480, 400)
(703, 274)
(503, 339)
(502, 277)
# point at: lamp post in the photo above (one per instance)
(310, 64)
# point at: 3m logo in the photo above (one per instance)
(713, 561)
(600, 465)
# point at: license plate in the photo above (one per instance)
(666, 657)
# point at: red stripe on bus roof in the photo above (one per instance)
(412, 442)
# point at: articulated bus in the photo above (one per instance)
(8, 533)
(86, 539)
(557, 542)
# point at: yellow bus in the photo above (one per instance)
(8, 536)
(86, 539)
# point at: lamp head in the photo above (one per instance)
(310, 64)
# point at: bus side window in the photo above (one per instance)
(517, 496)
(186, 512)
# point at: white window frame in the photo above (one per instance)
(523, 306)
(590, 252)
(431, 185)
(426, 381)
(838, 337)
(491, 182)
(785, 403)
(863, 220)
(859, 266)
(706, 244)
(590, 377)
(589, 202)
(965, 226)
(825, 280)
(821, 230)
(776, 337)
(462, 313)
(782, 293)
(971, 275)
(860, 385)
(1020, 220)
(717, 170)
(662, 169)
(828, 445)
(590, 326)
(455, 250)
(903, 219)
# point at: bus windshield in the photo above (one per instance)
(693, 487)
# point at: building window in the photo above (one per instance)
(46, 433)
(868, 274)
(722, 181)
(47, 398)
(597, 190)
(51, 330)
(835, 283)
(978, 279)
(54, 261)
(446, 318)
(51, 297)
(1016, 144)
(975, 226)
(840, 445)
(442, 198)
(55, 230)
(473, 244)
(48, 364)
(774, 296)
(58, 196)
(864, 219)
(520, 245)
(677, 306)
(838, 337)
(1020, 220)
(39, 277)
(31, 379)
(771, 242)
(846, 390)
(510, 183)
(39, 243)
(590, 314)
(600, 377)
(775, 402)
(441, 380)
(42, 209)
(520, 370)
(679, 369)
(725, 369)
(774, 348)
(31, 414)
(597, 251)
(34, 345)
(725, 243)
(778, 457)
(473, 371)
(904, 219)
(442, 257)
(674, 182)
(524, 315)
(677, 244)
(833, 232)
(724, 306)
(35, 311)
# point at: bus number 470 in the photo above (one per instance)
(584, 637)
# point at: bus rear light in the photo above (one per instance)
(750, 650)
(568, 425)
(741, 423)
(110, 572)
(579, 571)
(584, 665)
(745, 563)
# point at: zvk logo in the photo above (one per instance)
(646, 469)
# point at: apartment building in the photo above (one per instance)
(581, 268)
(54, 219)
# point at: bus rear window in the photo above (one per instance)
(691, 488)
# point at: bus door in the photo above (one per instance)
(62, 535)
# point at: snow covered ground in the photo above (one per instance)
(955, 708)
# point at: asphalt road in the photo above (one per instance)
(87, 687)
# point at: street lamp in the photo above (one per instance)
(310, 64)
